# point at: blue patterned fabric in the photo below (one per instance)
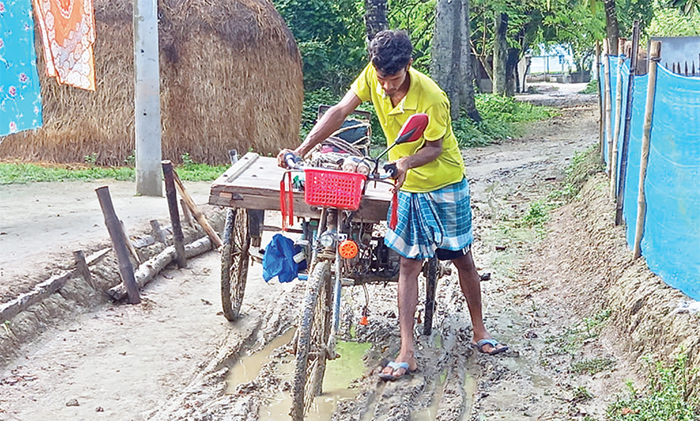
(20, 95)
(427, 221)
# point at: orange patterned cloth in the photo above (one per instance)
(68, 33)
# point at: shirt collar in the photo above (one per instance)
(410, 101)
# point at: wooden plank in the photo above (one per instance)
(237, 168)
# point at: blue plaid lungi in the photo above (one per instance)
(428, 221)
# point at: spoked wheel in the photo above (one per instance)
(431, 271)
(312, 339)
(234, 262)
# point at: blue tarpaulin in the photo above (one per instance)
(671, 240)
(20, 96)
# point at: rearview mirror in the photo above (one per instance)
(412, 129)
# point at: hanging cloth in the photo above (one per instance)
(20, 94)
(68, 33)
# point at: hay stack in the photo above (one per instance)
(230, 78)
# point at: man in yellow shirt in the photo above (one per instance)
(434, 213)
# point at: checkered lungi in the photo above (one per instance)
(428, 221)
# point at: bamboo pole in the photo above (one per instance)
(618, 116)
(82, 267)
(628, 122)
(608, 104)
(126, 270)
(654, 55)
(601, 113)
(130, 246)
(171, 194)
(198, 215)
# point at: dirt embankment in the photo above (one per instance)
(563, 296)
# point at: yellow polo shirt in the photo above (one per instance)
(424, 96)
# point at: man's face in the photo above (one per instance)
(393, 83)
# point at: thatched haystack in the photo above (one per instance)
(230, 78)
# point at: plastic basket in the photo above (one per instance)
(336, 189)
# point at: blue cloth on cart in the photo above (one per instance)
(278, 259)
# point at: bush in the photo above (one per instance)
(667, 396)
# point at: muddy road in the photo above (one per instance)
(175, 357)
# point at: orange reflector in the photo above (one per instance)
(347, 249)
(364, 321)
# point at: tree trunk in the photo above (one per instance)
(467, 83)
(445, 62)
(375, 17)
(450, 66)
(500, 55)
(511, 70)
(612, 28)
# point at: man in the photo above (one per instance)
(434, 214)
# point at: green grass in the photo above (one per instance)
(572, 338)
(592, 366)
(667, 396)
(591, 87)
(18, 173)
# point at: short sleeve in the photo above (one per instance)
(362, 86)
(437, 125)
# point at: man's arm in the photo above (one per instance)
(331, 121)
(426, 154)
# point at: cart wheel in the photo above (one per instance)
(431, 272)
(234, 262)
(312, 340)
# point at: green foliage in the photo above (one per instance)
(187, 159)
(25, 173)
(130, 160)
(417, 17)
(536, 216)
(11, 173)
(331, 39)
(667, 397)
(572, 338)
(670, 22)
(502, 118)
(591, 87)
(592, 366)
(582, 166)
(581, 394)
(91, 158)
(200, 172)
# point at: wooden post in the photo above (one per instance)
(82, 267)
(157, 232)
(186, 213)
(198, 215)
(130, 246)
(628, 120)
(115, 233)
(608, 104)
(601, 113)
(171, 194)
(654, 54)
(618, 116)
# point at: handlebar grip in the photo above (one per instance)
(291, 160)
(391, 169)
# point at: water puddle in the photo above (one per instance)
(336, 383)
(247, 367)
(470, 388)
(430, 413)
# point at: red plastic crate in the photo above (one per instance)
(337, 189)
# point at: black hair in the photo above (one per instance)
(390, 51)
